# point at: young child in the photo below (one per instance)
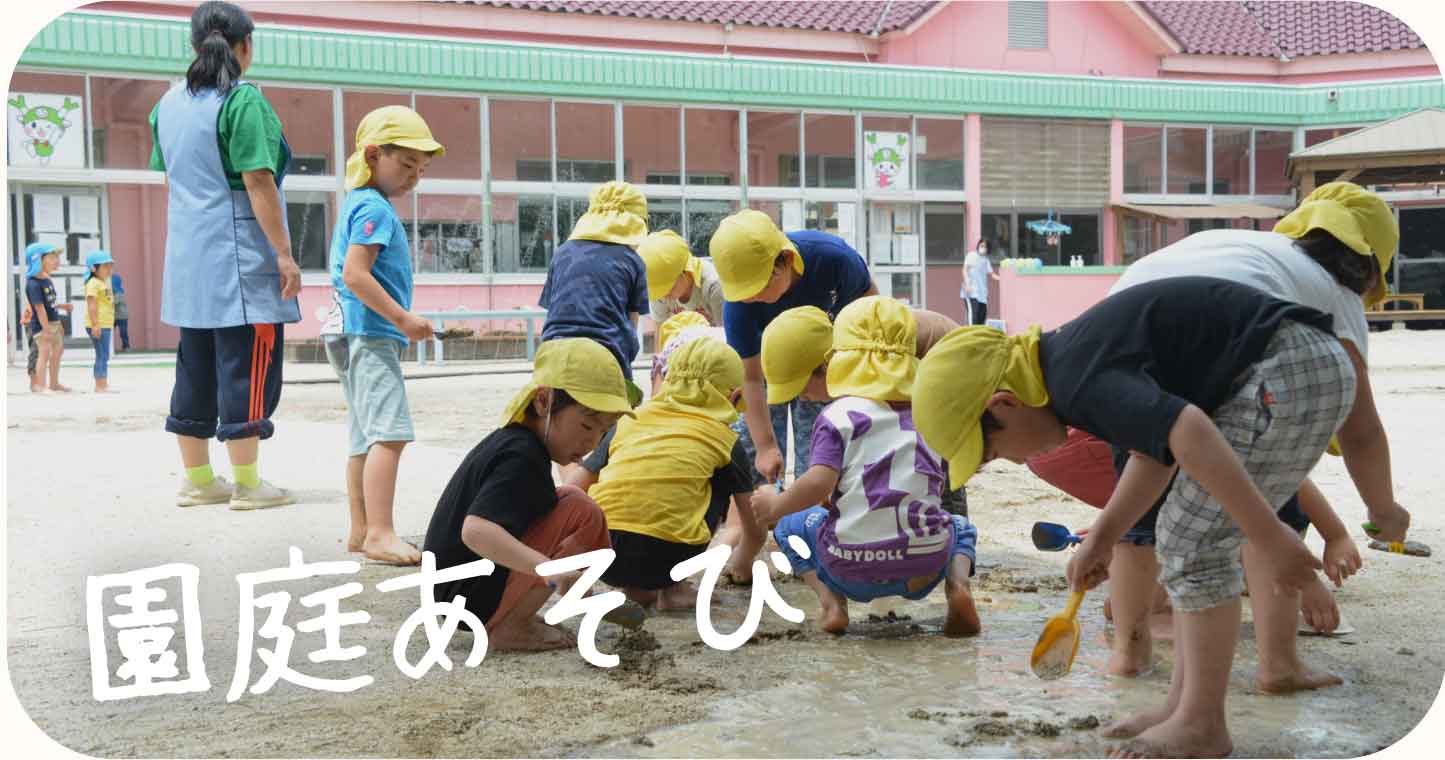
(502, 503)
(883, 532)
(99, 313)
(666, 479)
(46, 329)
(678, 281)
(597, 284)
(122, 313)
(371, 320)
(765, 272)
(1243, 390)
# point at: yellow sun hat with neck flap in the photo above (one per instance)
(388, 125)
(795, 344)
(1354, 216)
(666, 255)
(616, 213)
(958, 377)
(744, 248)
(582, 367)
(701, 375)
(875, 341)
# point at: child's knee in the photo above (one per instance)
(587, 520)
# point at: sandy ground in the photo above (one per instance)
(89, 490)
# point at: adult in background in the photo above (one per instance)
(977, 270)
(230, 281)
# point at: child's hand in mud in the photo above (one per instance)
(1289, 560)
(1342, 559)
(1090, 564)
(765, 500)
(563, 582)
(1317, 606)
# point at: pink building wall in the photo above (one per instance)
(1048, 300)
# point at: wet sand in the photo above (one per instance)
(889, 687)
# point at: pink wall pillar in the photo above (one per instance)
(972, 178)
(1116, 192)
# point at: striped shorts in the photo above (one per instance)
(1279, 419)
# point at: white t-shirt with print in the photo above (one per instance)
(977, 268)
(1267, 261)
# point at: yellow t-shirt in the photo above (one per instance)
(99, 289)
(657, 478)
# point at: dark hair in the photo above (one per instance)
(1349, 269)
(215, 28)
(560, 400)
(982, 242)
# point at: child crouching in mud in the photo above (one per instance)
(502, 503)
(883, 532)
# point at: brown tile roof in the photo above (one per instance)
(1275, 27)
(820, 15)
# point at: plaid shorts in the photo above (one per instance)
(1279, 418)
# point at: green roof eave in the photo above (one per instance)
(132, 44)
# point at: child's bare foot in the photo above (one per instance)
(678, 596)
(1297, 677)
(58, 388)
(390, 550)
(644, 598)
(1179, 738)
(37, 388)
(1133, 655)
(529, 635)
(356, 541)
(1136, 724)
(835, 616)
(962, 617)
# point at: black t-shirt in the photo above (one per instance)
(507, 478)
(40, 292)
(732, 478)
(1125, 369)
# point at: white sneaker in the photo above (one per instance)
(218, 491)
(262, 496)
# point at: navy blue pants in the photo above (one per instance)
(122, 326)
(230, 376)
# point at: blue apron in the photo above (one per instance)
(220, 269)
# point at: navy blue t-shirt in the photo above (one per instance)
(591, 287)
(834, 275)
(40, 292)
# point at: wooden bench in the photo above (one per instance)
(1418, 299)
(1404, 315)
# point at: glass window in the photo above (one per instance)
(308, 216)
(712, 147)
(521, 140)
(939, 152)
(1137, 230)
(1141, 159)
(1271, 151)
(703, 217)
(652, 145)
(1186, 160)
(449, 233)
(666, 214)
(773, 149)
(829, 151)
(1231, 160)
(998, 230)
(120, 121)
(68, 137)
(455, 123)
(586, 144)
(943, 233)
(306, 121)
(1422, 233)
(1316, 136)
(774, 210)
(357, 104)
(521, 233)
(569, 210)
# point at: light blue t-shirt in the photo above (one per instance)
(367, 218)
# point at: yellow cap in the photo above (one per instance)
(744, 248)
(616, 213)
(958, 377)
(875, 342)
(666, 255)
(582, 367)
(701, 375)
(795, 344)
(675, 325)
(388, 125)
(1354, 216)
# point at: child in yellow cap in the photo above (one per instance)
(371, 320)
(883, 532)
(1241, 389)
(503, 505)
(765, 272)
(666, 479)
(596, 283)
(678, 281)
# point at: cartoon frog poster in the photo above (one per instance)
(887, 160)
(48, 135)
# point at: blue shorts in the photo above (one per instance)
(805, 525)
(369, 368)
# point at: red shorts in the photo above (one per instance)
(1082, 468)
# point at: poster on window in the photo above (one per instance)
(888, 160)
(45, 130)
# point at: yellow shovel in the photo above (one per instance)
(1053, 655)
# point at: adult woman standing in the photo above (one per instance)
(230, 281)
(977, 270)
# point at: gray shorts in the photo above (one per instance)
(370, 372)
(1278, 419)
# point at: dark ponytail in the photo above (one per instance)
(1357, 273)
(215, 28)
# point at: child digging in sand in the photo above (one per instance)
(882, 532)
(1243, 390)
(502, 503)
(666, 479)
(371, 320)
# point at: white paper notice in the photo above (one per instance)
(880, 249)
(84, 214)
(848, 223)
(55, 239)
(87, 246)
(907, 250)
(49, 213)
(792, 215)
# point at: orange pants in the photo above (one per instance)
(575, 526)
